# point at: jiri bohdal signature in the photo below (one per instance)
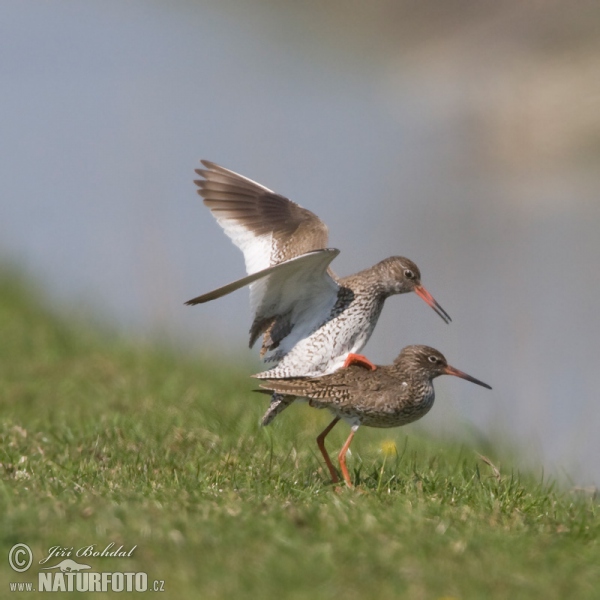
(87, 551)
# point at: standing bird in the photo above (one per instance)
(389, 396)
(312, 322)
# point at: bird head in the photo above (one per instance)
(431, 363)
(401, 275)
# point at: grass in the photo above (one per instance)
(104, 440)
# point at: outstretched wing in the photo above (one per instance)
(289, 300)
(267, 227)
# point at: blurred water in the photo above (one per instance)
(109, 106)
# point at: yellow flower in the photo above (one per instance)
(388, 448)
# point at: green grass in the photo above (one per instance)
(104, 440)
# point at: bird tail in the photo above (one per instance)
(279, 402)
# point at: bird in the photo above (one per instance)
(312, 321)
(389, 396)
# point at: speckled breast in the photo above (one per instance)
(348, 328)
(393, 415)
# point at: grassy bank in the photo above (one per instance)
(105, 441)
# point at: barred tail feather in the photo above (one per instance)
(279, 402)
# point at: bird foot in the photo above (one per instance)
(360, 361)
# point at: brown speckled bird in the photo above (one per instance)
(388, 396)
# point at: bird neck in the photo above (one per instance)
(367, 282)
(412, 374)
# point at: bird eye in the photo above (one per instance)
(433, 359)
(409, 274)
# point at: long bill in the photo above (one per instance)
(452, 371)
(429, 299)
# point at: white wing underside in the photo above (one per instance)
(300, 291)
(258, 250)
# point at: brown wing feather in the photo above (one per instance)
(261, 211)
(306, 387)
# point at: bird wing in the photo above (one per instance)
(291, 298)
(267, 227)
(342, 387)
(305, 387)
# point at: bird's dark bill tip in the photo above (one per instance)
(431, 301)
(452, 371)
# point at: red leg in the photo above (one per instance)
(342, 457)
(321, 444)
(359, 360)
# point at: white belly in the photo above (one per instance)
(325, 350)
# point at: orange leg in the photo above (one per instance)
(321, 444)
(342, 457)
(360, 360)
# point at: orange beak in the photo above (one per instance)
(427, 297)
(452, 371)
